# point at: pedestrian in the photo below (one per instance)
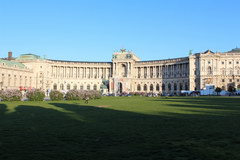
(86, 99)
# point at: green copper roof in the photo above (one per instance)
(28, 57)
(235, 50)
(12, 63)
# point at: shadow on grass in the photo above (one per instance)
(34, 132)
(220, 103)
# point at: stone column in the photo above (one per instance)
(148, 74)
(116, 70)
(160, 71)
(98, 73)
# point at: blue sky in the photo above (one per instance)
(91, 30)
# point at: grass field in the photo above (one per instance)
(141, 128)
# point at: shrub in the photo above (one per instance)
(80, 94)
(11, 95)
(74, 95)
(56, 95)
(35, 95)
(94, 94)
(137, 93)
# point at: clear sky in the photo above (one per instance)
(91, 30)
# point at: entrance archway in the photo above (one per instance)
(119, 87)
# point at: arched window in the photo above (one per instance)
(163, 87)
(180, 86)
(88, 87)
(169, 87)
(209, 70)
(75, 87)
(81, 87)
(138, 87)
(175, 86)
(95, 87)
(68, 87)
(120, 87)
(55, 86)
(145, 87)
(157, 87)
(61, 86)
(151, 87)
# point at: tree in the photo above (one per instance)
(218, 90)
(231, 89)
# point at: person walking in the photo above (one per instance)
(86, 99)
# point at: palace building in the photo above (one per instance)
(125, 73)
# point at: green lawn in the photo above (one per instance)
(141, 128)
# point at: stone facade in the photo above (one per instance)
(219, 69)
(14, 75)
(126, 73)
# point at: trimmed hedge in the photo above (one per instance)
(56, 95)
(35, 95)
(11, 95)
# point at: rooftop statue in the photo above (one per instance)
(123, 50)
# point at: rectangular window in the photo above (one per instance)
(145, 72)
(230, 80)
(139, 72)
(223, 80)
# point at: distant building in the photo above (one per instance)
(125, 73)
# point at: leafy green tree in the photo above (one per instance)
(231, 89)
(218, 90)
